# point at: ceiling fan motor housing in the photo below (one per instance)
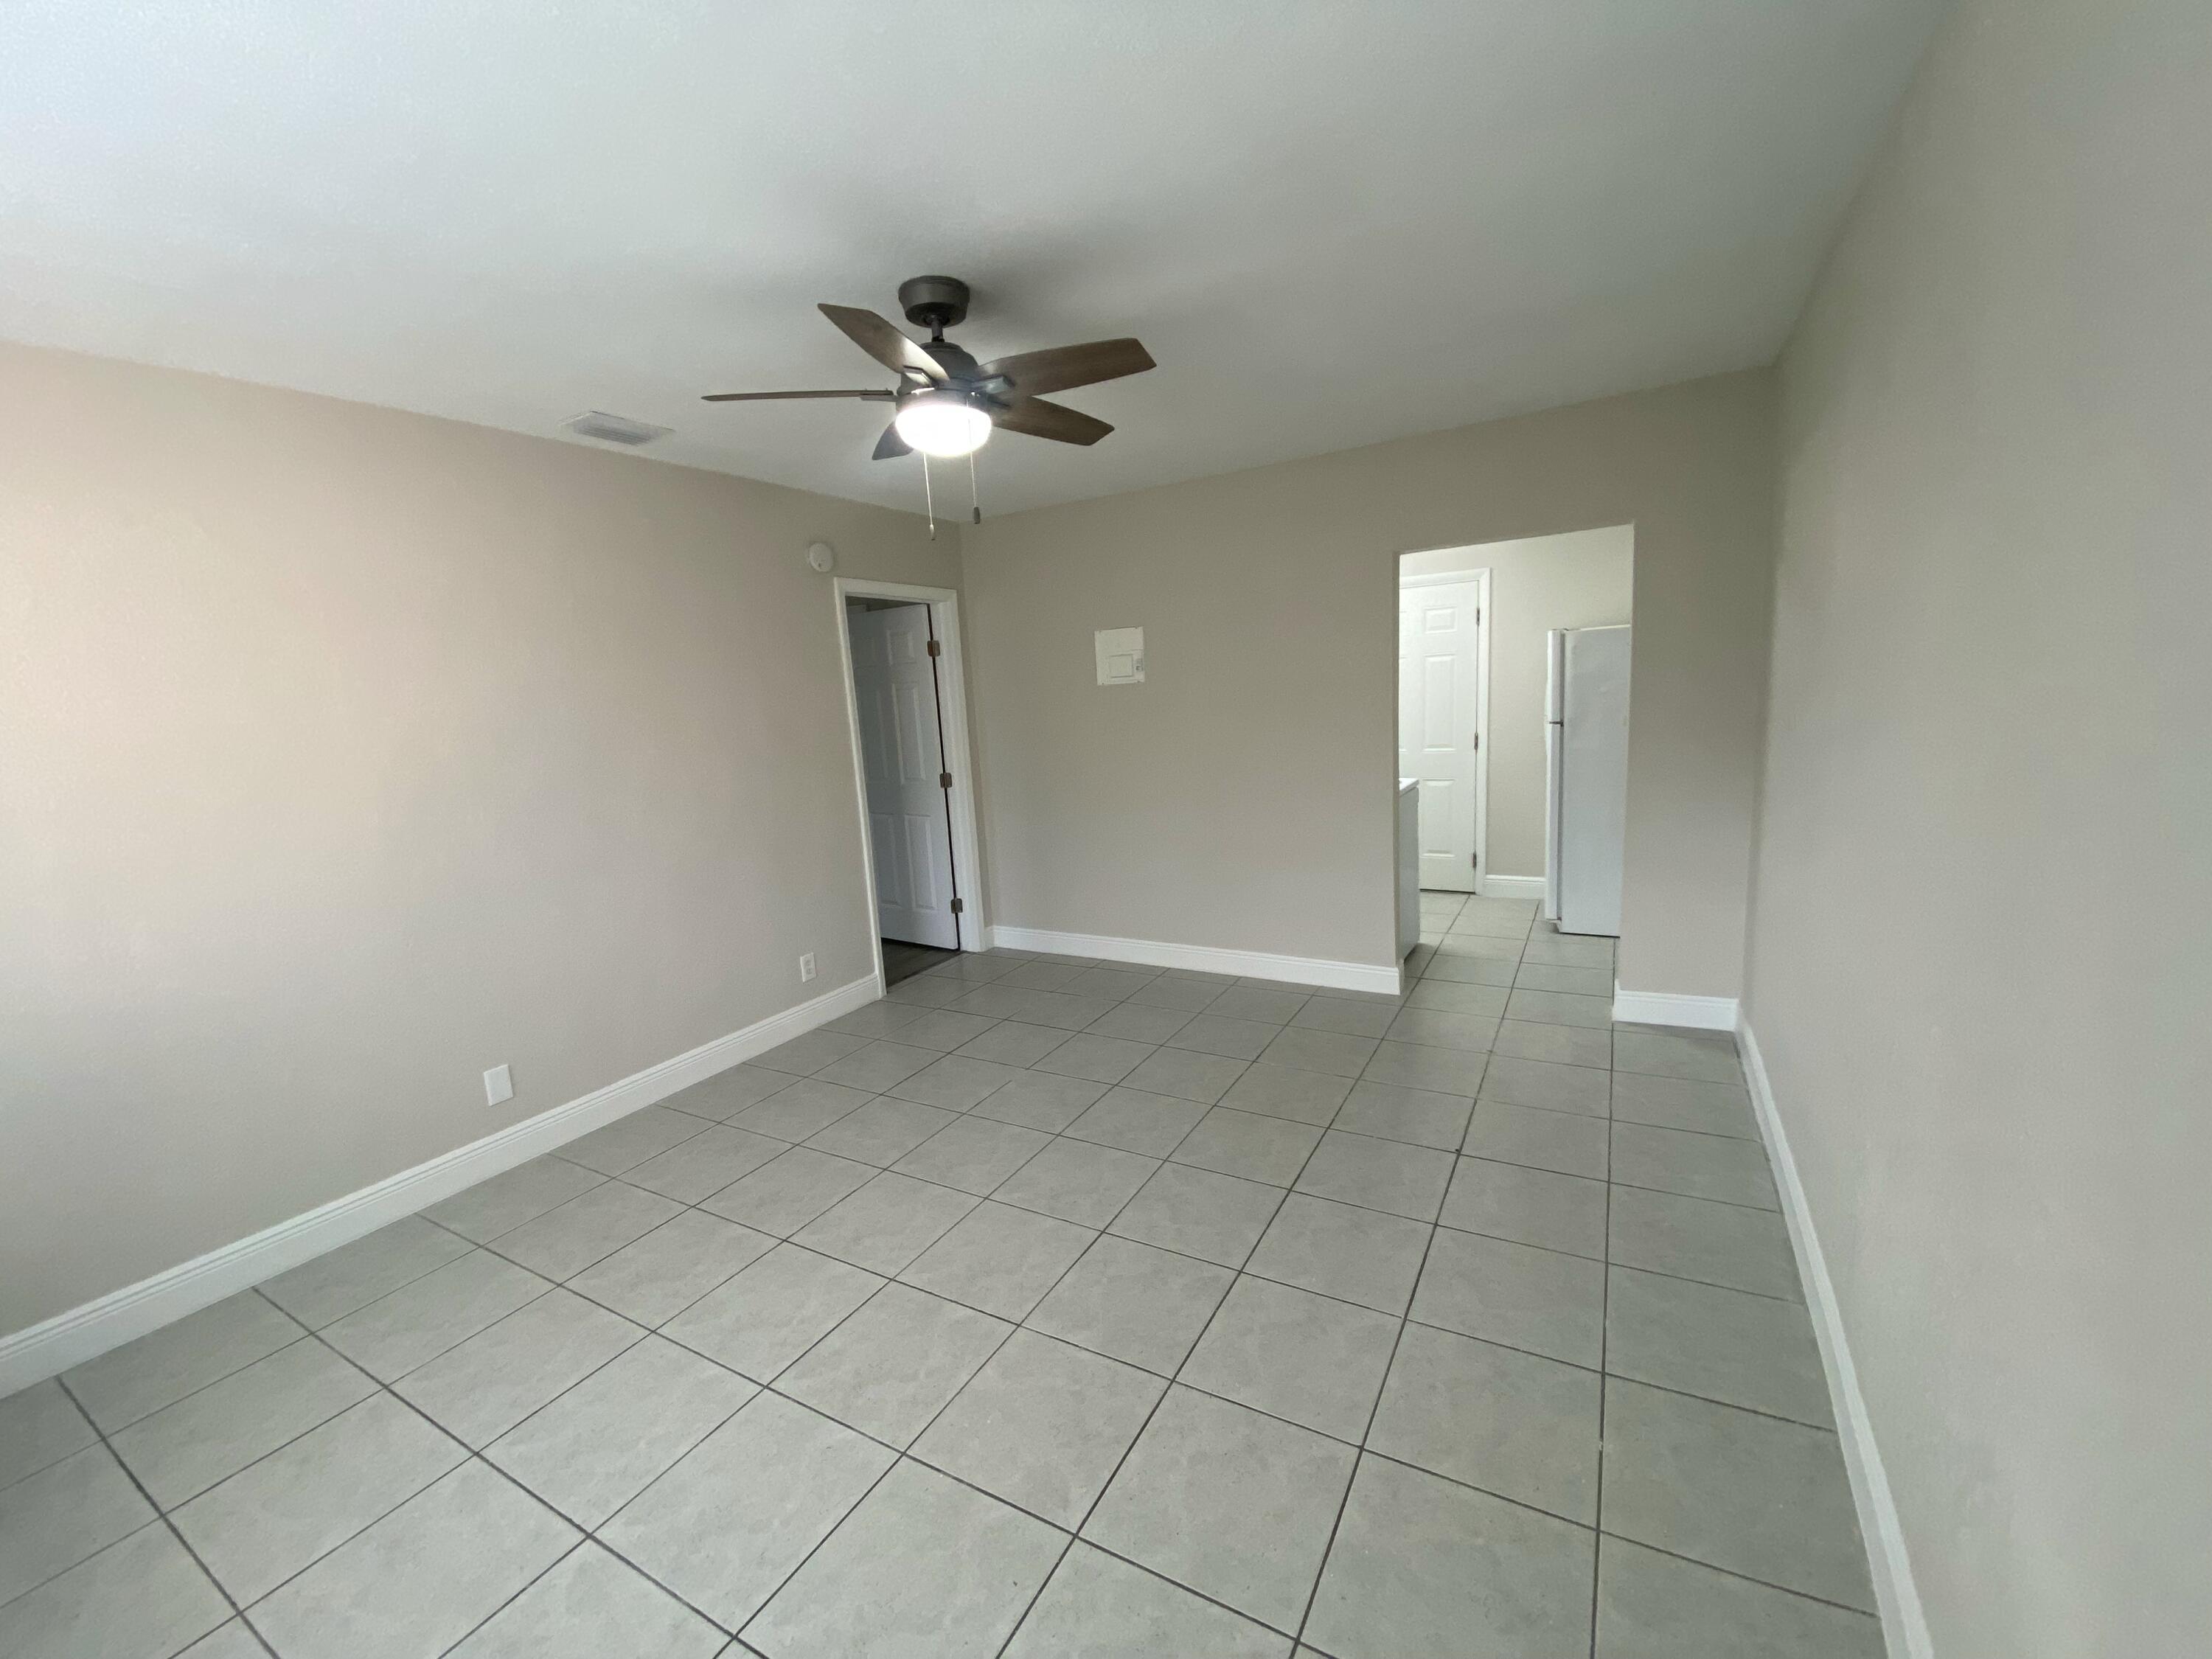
(934, 302)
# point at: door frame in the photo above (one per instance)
(1479, 576)
(959, 753)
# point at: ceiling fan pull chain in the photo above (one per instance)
(928, 501)
(974, 506)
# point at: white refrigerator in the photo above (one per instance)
(1586, 752)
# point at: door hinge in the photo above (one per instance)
(959, 907)
(944, 780)
(933, 648)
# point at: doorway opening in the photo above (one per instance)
(1444, 709)
(1513, 731)
(905, 702)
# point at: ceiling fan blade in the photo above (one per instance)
(871, 396)
(1042, 420)
(883, 343)
(890, 444)
(1034, 373)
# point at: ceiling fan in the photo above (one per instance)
(946, 402)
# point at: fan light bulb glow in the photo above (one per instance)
(938, 423)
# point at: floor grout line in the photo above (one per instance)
(63, 1378)
(1404, 1318)
(471, 1454)
(1367, 1431)
(1170, 1383)
(121, 1428)
(521, 1590)
(902, 1453)
(161, 1519)
(1063, 1134)
(899, 1453)
(1327, 1197)
(1867, 1614)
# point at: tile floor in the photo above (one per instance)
(1101, 1311)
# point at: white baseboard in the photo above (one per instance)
(1903, 1626)
(1205, 959)
(1667, 1008)
(1510, 886)
(40, 1350)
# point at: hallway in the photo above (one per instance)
(1101, 1309)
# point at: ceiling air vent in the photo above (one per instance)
(614, 428)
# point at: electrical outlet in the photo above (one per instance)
(499, 1085)
(806, 967)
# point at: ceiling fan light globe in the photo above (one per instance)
(938, 425)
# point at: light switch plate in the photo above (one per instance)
(1121, 656)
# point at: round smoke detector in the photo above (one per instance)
(822, 557)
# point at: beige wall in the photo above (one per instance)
(1981, 964)
(345, 753)
(1243, 796)
(1584, 578)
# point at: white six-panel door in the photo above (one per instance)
(910, 822)
(1439, 713)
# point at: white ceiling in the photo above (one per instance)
(1333, 223)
